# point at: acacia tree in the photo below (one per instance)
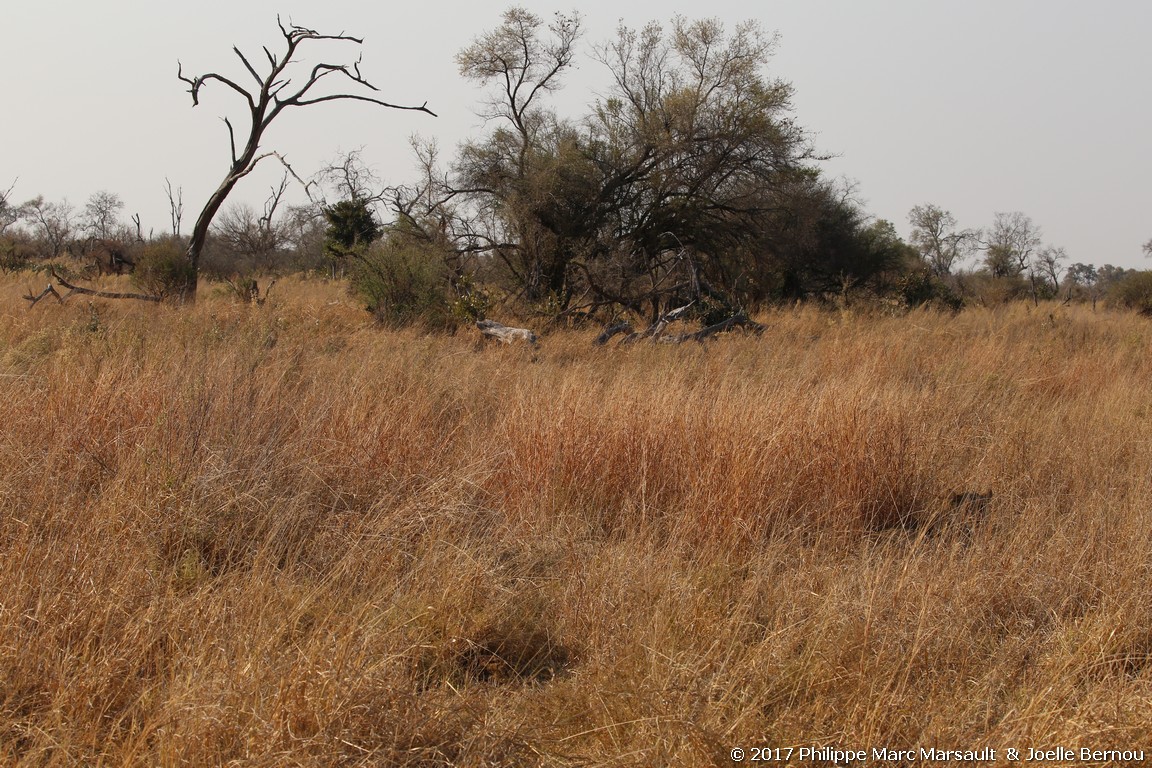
(671, 182)
(274, 92)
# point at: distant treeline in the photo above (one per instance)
(688, 182)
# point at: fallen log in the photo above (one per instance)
(86, 292)
(103, 294)
(655, 332)
(737, 321)
(503, 333)
(613, 330)
(669, 317)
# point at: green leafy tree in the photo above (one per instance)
(403, 279)
(1085, 280)
(700, 154)
(352, 227)
(667, 191)
(688, 179)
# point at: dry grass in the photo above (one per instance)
(278, 536)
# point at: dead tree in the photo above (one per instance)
(274, 92)
(175, 207)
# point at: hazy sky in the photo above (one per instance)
(1040, 106)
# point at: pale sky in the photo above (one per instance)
(1040, 106)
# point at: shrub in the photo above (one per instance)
(1133, 291)
(162, 268)
(403, 283)
(15, 254)
(472, 303)
(921, 288)
(989, 290)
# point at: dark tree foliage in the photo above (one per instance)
(352, 227)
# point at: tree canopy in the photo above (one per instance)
(688, 179)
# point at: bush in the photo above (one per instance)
(403, 283)
(920, 288)
(990, 291)
(162, 268)
(471, 303)
(15, 254)
(1133, 291)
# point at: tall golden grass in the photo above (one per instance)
(278, 535)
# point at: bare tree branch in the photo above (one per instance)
(273, 201)
(248, 66)
(231, 138)
(47, 291)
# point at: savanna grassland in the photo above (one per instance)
(279, 535)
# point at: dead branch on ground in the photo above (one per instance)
(656, 331)
(84, 291)
(503, 333)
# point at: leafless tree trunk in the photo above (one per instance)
(273, 94)
(175, 206)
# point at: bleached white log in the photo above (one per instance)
(494, 330)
